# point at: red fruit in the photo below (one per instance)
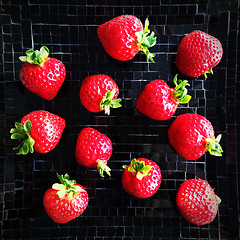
(66, 201)
(158, 101)
(98, 93)
(141, 178)
(124, 36)
(197, 202)
(93, 149)
(198, 53)
(39, 131)
(41, 74)
(191, 135)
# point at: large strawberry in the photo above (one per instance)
(39, 131)
(66, 201)
(124, 36)
(93, 149)
(198, 53)
(197, 202)
(98, 93)
(41, 74)
(191, 135)
(158, 101)
(141, 178)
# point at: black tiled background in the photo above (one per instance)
(68, 28)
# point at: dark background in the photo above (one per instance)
(68, 29)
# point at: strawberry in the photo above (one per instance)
(158, 101)
(197, 202)
(66, 201)
(141, 178)
(124, 36)
(93, 149)
(98, 93)
(39, 131)
(191, 135)
(198, 53)
(41, 74)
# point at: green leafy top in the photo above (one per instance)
(146, 41)
(23, 132)
(66, 187)
(213, 146)
(180, 91)
(101, 167)
(35, 57)
(108, 102)
(139, 168)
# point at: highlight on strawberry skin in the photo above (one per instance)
(124, 36)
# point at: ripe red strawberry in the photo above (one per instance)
(198, 53)
(39, 131)
(158, 101)
(41, 74)
(98, 93)
(124, 36)
(197, 202)
(191, 135)
(141, 178)
(66, 201)
(93, 149)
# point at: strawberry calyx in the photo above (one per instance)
(209, 71)
(219, 200)
(22, 131)
(66, 186)
(145, 41)
(108, 102)
(180, 91)
(213, 146)
(138, 168)
(101, 167)
(35, 57)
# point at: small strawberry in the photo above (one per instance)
(158, 101)
(39, 131)
(98, 93)
(197, 202)
(124, 36)
(66, 201)
(41, 74)
(191, 135)
(141, 178)
(93, 149)
(198, 53)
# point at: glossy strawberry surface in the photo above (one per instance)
(46, 129)
(92, 147)
(44, 80)
(118, 37)
(94, 88)
(62, 210)
(146, 187)
(157, 101)
(197, 53)
(188, 134)
(197, 202)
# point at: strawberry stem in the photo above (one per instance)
(145, 41)
(213, 146)
(66, 187)
(180, 91)
(23, 132)
(209, 71)
(101, 167)
(35, 57)
(138, 168)
(108, 102)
